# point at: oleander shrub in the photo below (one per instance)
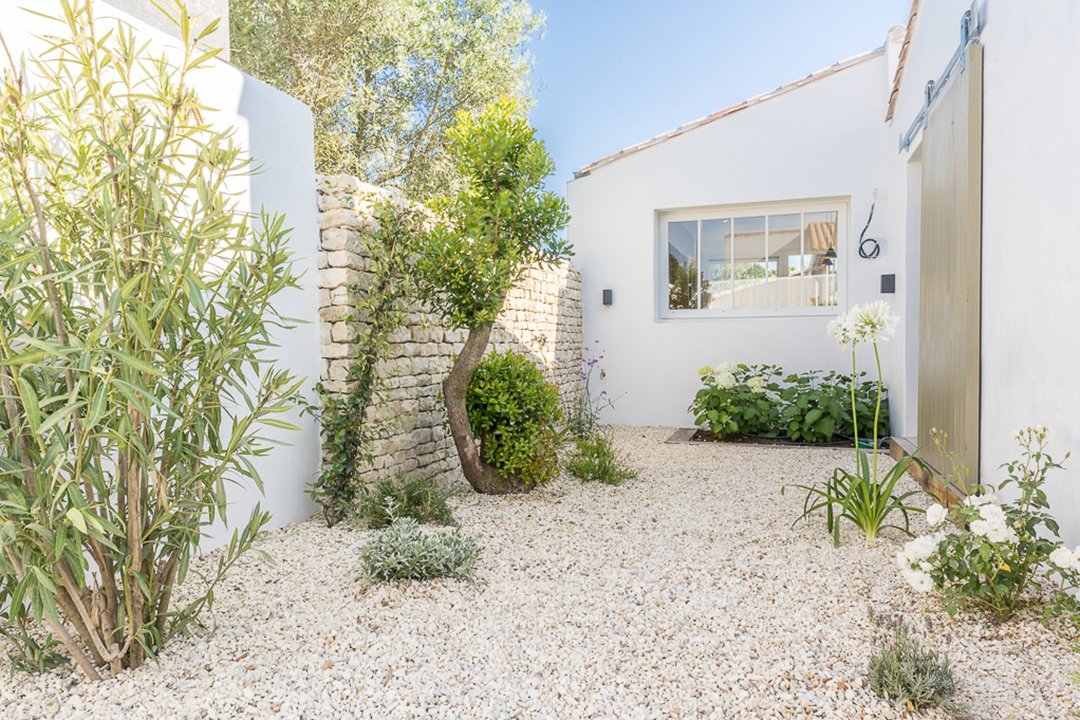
(903, 670)
(406, 551)
(515, 414)
(595, 459)
(738, 399)
(137, 317)
(409, 496)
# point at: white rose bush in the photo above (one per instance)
(1001, 557)
(864, 497)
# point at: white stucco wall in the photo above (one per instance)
(1030, 251)
(277, 130)
(1031, 239)
(823, 140)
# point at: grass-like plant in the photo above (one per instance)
(135, 314)
(595, 459)
(863, 497)
(902, 670)
(410, 496)
(406, 551)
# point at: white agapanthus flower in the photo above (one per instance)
(840, 329)
(874, 321)
(936, 514)
(1065, 558)
(871, 322)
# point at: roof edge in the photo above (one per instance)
(829, 71)
(901, 63)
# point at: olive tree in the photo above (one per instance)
(135, 314)
(502, 222)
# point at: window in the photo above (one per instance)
(780, 259)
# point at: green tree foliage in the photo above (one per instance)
(134, 318)
(499, 224)
(386, 79)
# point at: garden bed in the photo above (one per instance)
(685, 593)
(706, 436)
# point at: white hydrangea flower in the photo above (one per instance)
(756, 384)
(936, 514)
(724, 375)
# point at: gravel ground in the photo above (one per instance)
(683, 594)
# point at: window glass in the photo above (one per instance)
(716, 264)
(819, 238)
(732, 260)
(786, 255)
(750, 266)
(682, 265)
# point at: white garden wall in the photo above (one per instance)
(823, 140)
(277, 130)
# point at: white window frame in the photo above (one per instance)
(839, 205)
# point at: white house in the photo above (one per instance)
(716, 239)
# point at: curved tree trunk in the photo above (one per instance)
(483, 477)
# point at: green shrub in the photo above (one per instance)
(1001, 557)
(596, 460)
(136, 319)
(902, 669)
(411, 496)
(514, 414)
(814, 407)
(738, 400)
(406, 551)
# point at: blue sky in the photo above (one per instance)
(611, 73)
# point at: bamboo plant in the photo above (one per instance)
(135, 315)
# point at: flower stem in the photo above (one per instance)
(877, 409)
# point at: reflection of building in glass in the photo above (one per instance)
(752, 261)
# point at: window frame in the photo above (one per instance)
(839, 205)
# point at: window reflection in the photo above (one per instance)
(682, 265)
(819, 230)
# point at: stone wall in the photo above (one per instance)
(542, 319)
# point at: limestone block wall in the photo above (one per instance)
(542, 319)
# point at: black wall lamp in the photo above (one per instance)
(607, 297)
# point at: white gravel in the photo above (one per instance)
(683, 594)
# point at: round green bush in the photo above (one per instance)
(514, 414)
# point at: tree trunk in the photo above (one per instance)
(483, 477)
